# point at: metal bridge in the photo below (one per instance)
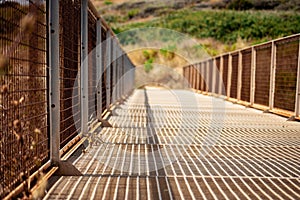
(73, 126)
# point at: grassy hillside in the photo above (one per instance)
(225, 26)
(218, 25)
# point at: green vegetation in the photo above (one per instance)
(148, 66)
(168, 52)
(225, 25)
(132, 13)
(108, 2)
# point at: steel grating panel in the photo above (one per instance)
(153, 153)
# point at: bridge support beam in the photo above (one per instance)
(54, 86)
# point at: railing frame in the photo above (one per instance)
(54, 86)
(211, 80)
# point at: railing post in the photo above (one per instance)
(99, 71)
(54, 83)
(272, 76)
(240, 68)
(297, 102)
(229, 75)
(221, 76)
(84, 67)
(253, 71)
(108, 56)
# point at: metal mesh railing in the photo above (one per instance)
(26, 74)
(217, 75)
(262, 74)
(266, 75)
(23, 98)
(210, 69)
(286, 73)
(246, 75)
(92, 80)
(69, 68)
(225, 73)
(234, 75)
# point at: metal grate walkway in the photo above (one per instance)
(175, 144)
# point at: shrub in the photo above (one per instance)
(240, 5)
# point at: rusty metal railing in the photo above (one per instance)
(265, 76)
(43, 71)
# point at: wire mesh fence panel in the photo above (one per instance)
(225, 73)
(217, 75)
(104, 64)
(69, 67)
(246, 75)
(201, 74)
(23, 91)
(286, 73)
(189, 76)
(234, 75)
(92, 76)
(198, 76)
(204, 75)
(262, 74)
(210, 75)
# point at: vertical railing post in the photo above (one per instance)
(229, 75)
(108, 63)
(84, 67)
(272, 76)
(240, 68)
(253, 71)
(297, 101)
(99, 71)
(54, 83)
